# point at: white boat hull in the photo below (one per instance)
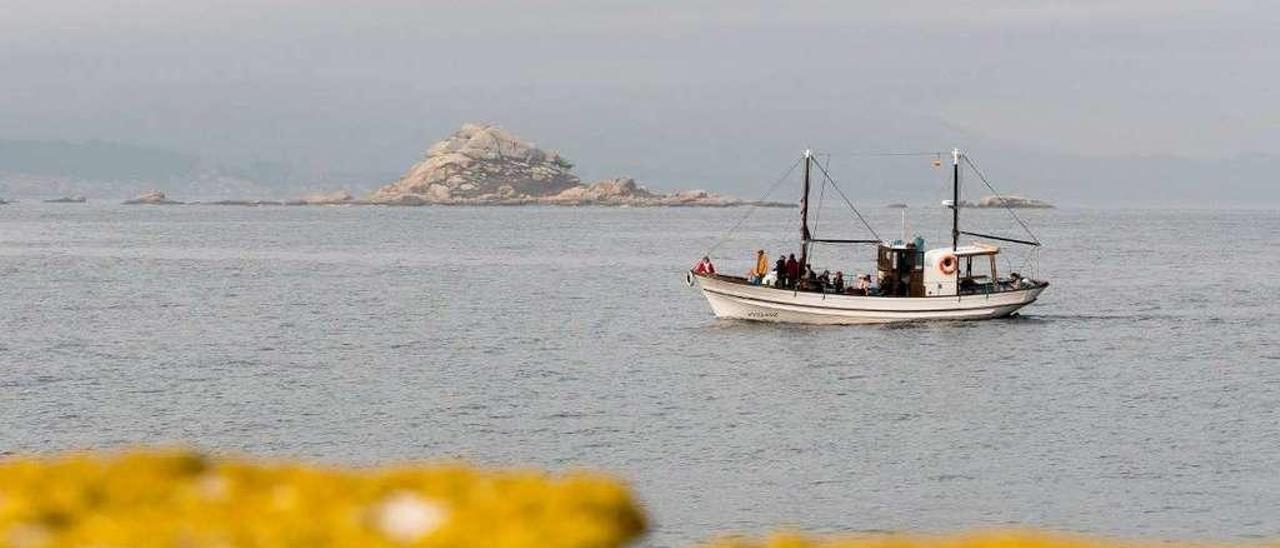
(729, 299)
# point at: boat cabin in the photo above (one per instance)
(966, 270)
(900, 269)
(907, 270)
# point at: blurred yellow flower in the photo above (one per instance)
(180, 498)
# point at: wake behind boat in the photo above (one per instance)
(948, 283)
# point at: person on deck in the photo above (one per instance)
(761, 268)
(837, 283)
(824, 279)
(781, 270)
(793, 271)
(811, 279)
(705, 267)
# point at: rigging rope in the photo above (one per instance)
(1000, 197)
(752, 208)
(822, 195)
(847, 201)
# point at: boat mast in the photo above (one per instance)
(804, 214)
(955, 199)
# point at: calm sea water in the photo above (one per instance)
(1139, 397)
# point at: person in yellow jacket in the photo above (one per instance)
(761, 268)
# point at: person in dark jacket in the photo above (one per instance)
(793, 270)
(781, 270)
(810, 282)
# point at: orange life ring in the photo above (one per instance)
(948, 264)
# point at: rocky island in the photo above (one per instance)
(994, 201)
(1010, 201)
(484, 164)
(151, 197)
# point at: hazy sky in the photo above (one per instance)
(649, 87)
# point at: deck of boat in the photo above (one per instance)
(1009, 287)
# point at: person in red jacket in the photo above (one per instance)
(793, 270)
(705, 267)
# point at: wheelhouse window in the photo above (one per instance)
(977, 274)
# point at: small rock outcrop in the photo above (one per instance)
(68, 200)
(486, 165)
(619, 191)
(151, 197)
(624, 191)
(1012, 201)
(251, 203)
(339, 197)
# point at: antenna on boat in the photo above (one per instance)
(904, 223)
(955, 199)
(804, 212)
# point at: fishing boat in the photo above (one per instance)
(956, 282)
